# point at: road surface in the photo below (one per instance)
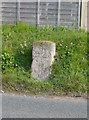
(21, 106)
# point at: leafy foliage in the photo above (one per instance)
(8, 62)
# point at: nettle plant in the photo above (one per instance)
(8, 61)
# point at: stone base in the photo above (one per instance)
(43, 55)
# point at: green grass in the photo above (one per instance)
(69, 70)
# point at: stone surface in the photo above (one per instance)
(43, 55)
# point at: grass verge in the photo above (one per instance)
(69, 70)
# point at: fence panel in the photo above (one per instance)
(69, 13)
(48, 13)
(42, 13)
(9, 12)
(28, 12)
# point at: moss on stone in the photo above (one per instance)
(43, 43)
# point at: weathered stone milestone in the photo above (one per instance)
(43, 55)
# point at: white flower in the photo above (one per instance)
(21, 45)
(25, 44)
(22, 52)
(60, 44)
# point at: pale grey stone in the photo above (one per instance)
(43, 56)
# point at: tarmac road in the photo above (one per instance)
(21, 106)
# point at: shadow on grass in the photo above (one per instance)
(24, 60)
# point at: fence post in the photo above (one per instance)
(58, 20)
(38, 13)
(18, 11)
(79, 14)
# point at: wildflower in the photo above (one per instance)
(21, 45)
(25, 43)
(9, 34)
(22, 52)
(71, 43)
(16, 65)
(60, 44)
